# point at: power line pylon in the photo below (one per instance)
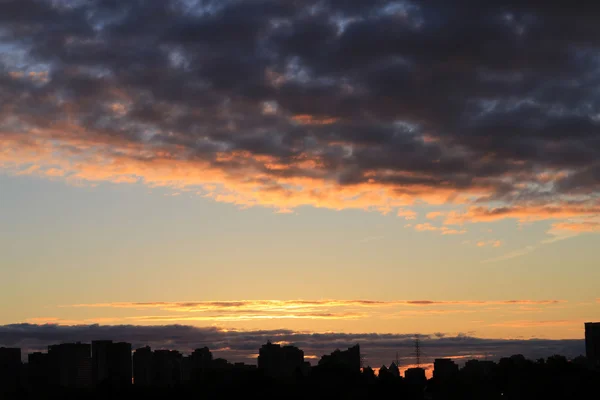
(418, 350)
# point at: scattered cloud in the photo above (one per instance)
(491, 243)
(577, 227)
(407, 214)
(444, 230)
(434, 215)
(259, 116)
(512, 254)
(426, 227)
(447, 231)
(556, 237)
(524, 214)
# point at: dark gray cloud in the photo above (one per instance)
(414, 96)
(378, 348)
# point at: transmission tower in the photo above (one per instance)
(418, 351)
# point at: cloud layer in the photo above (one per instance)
(492, 106)
(245, 310)
(323, 312)
(238, 345)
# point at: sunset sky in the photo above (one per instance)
(313, 166)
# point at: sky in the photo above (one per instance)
(312, 168)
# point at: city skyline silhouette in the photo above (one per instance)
(106, 368)
(221, 174)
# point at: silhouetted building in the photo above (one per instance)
(384, 374)
(478, 369)
(592, 342)
(201, 358)
(415, 376)
(120, 363)
(279, 362)
(166, 367)
(220, 364)
(38, 369)
(444, 369)
(195, 365)
(100, 360)
(143, 366)
(240, 366)
(70, 365)
(111, 362)
(10, 369)
(293, 360)
(347, 359)
(394, 370)
(337, 376)
(368, 373)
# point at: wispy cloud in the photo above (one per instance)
(444, 230)
(581, 226)
(557, 237)
(512, 254)
(537, 323)
(491, 243)
(286, 305)
(249, 310)
(406, 214)
(248, 317)
(435, 214)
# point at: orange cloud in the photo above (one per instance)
(255, 306)
(36, 76)
(493, 243)
(444, 230)
(430, 312)
(435, 214)
(84, 157)
(63, 321)
(582, 226)
(407, 214)
(425, 227)
(305, 119)
(248, 317)
(522, 213)
(80, 155)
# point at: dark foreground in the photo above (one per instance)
(541, 382)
